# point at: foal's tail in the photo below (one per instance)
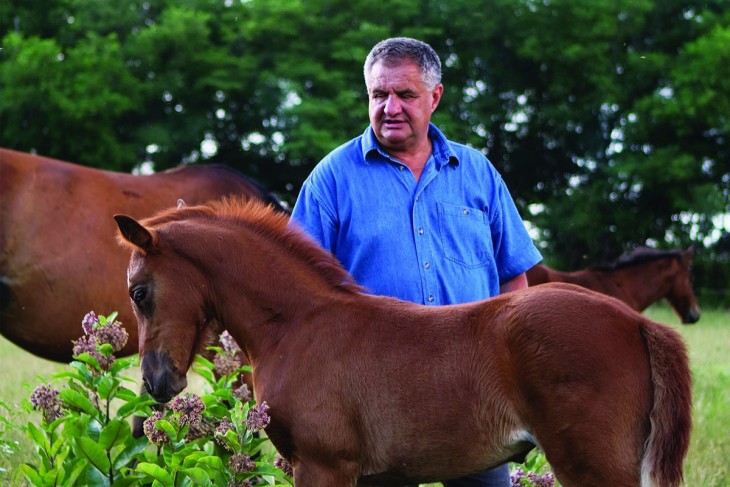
(671, 415)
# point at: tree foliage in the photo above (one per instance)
(608, 120)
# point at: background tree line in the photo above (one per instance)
(609, 120)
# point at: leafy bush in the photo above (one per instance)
(84, 435)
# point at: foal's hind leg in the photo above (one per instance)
(592, 462)
(598, 441)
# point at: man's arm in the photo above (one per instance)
(519, 282)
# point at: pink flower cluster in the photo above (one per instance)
(45, 399)
(534, 479)
(96, 334)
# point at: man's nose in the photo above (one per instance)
(392, 105)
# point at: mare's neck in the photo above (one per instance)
(646, 283)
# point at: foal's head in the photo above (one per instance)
(180, 255)
(165, 290)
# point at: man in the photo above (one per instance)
(411, 214)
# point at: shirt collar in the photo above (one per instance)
(442, 152)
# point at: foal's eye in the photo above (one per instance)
(138, 294)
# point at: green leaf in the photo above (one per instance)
(129, 452)
(77, 468)
(50, 477)
(137, 404)
(232, 439)
(126, 394)
(192, 459)
(212, 462)
(114, 433)
(95, 454)
(95, 478)
(156, 472)
(70, 375)
(77, 401)
(106, 386)
(88, 360)
(32, 475)
(197, 475)
(38, 436)
(167, 427)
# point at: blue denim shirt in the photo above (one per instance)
(452, 237)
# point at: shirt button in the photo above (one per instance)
(466, 212)
(420, 231)
(426, 265)
(430, 299)
(401, 168)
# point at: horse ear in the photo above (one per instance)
(135, 233)
(180, 204)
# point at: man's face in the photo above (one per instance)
(400, 106)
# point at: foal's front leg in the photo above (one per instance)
(314, 474)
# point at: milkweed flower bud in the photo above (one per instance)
(242, 393)
(282, 464)
(45, 399)
(240, 463)
(189, 409)
(156, 436)
(226, 361)
(258, 417)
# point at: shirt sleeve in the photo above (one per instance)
(514, 250)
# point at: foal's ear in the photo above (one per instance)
(135, 233)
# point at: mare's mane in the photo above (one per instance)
(260, 218)
(214, 169)
(639, 256)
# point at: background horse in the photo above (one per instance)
(639, 279)
(58, 256)
(370, 390)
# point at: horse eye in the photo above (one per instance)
(138, 294)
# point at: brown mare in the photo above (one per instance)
(58, 255)
(368, 390)
(639, 279)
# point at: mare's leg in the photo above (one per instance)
(313, 474)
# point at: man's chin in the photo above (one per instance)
(393, 140)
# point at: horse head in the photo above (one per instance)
(681, 294)
(171, 331)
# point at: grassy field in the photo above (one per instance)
(708, 341)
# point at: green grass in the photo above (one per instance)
(708, 342)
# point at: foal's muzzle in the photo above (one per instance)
(161, 378)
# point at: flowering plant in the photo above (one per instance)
(536, 472)
(84, 435)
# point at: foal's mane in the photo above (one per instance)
(261, 219)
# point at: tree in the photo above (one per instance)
(608, 120)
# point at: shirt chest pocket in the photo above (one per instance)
(465, 235)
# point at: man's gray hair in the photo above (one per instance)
(393, 51)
